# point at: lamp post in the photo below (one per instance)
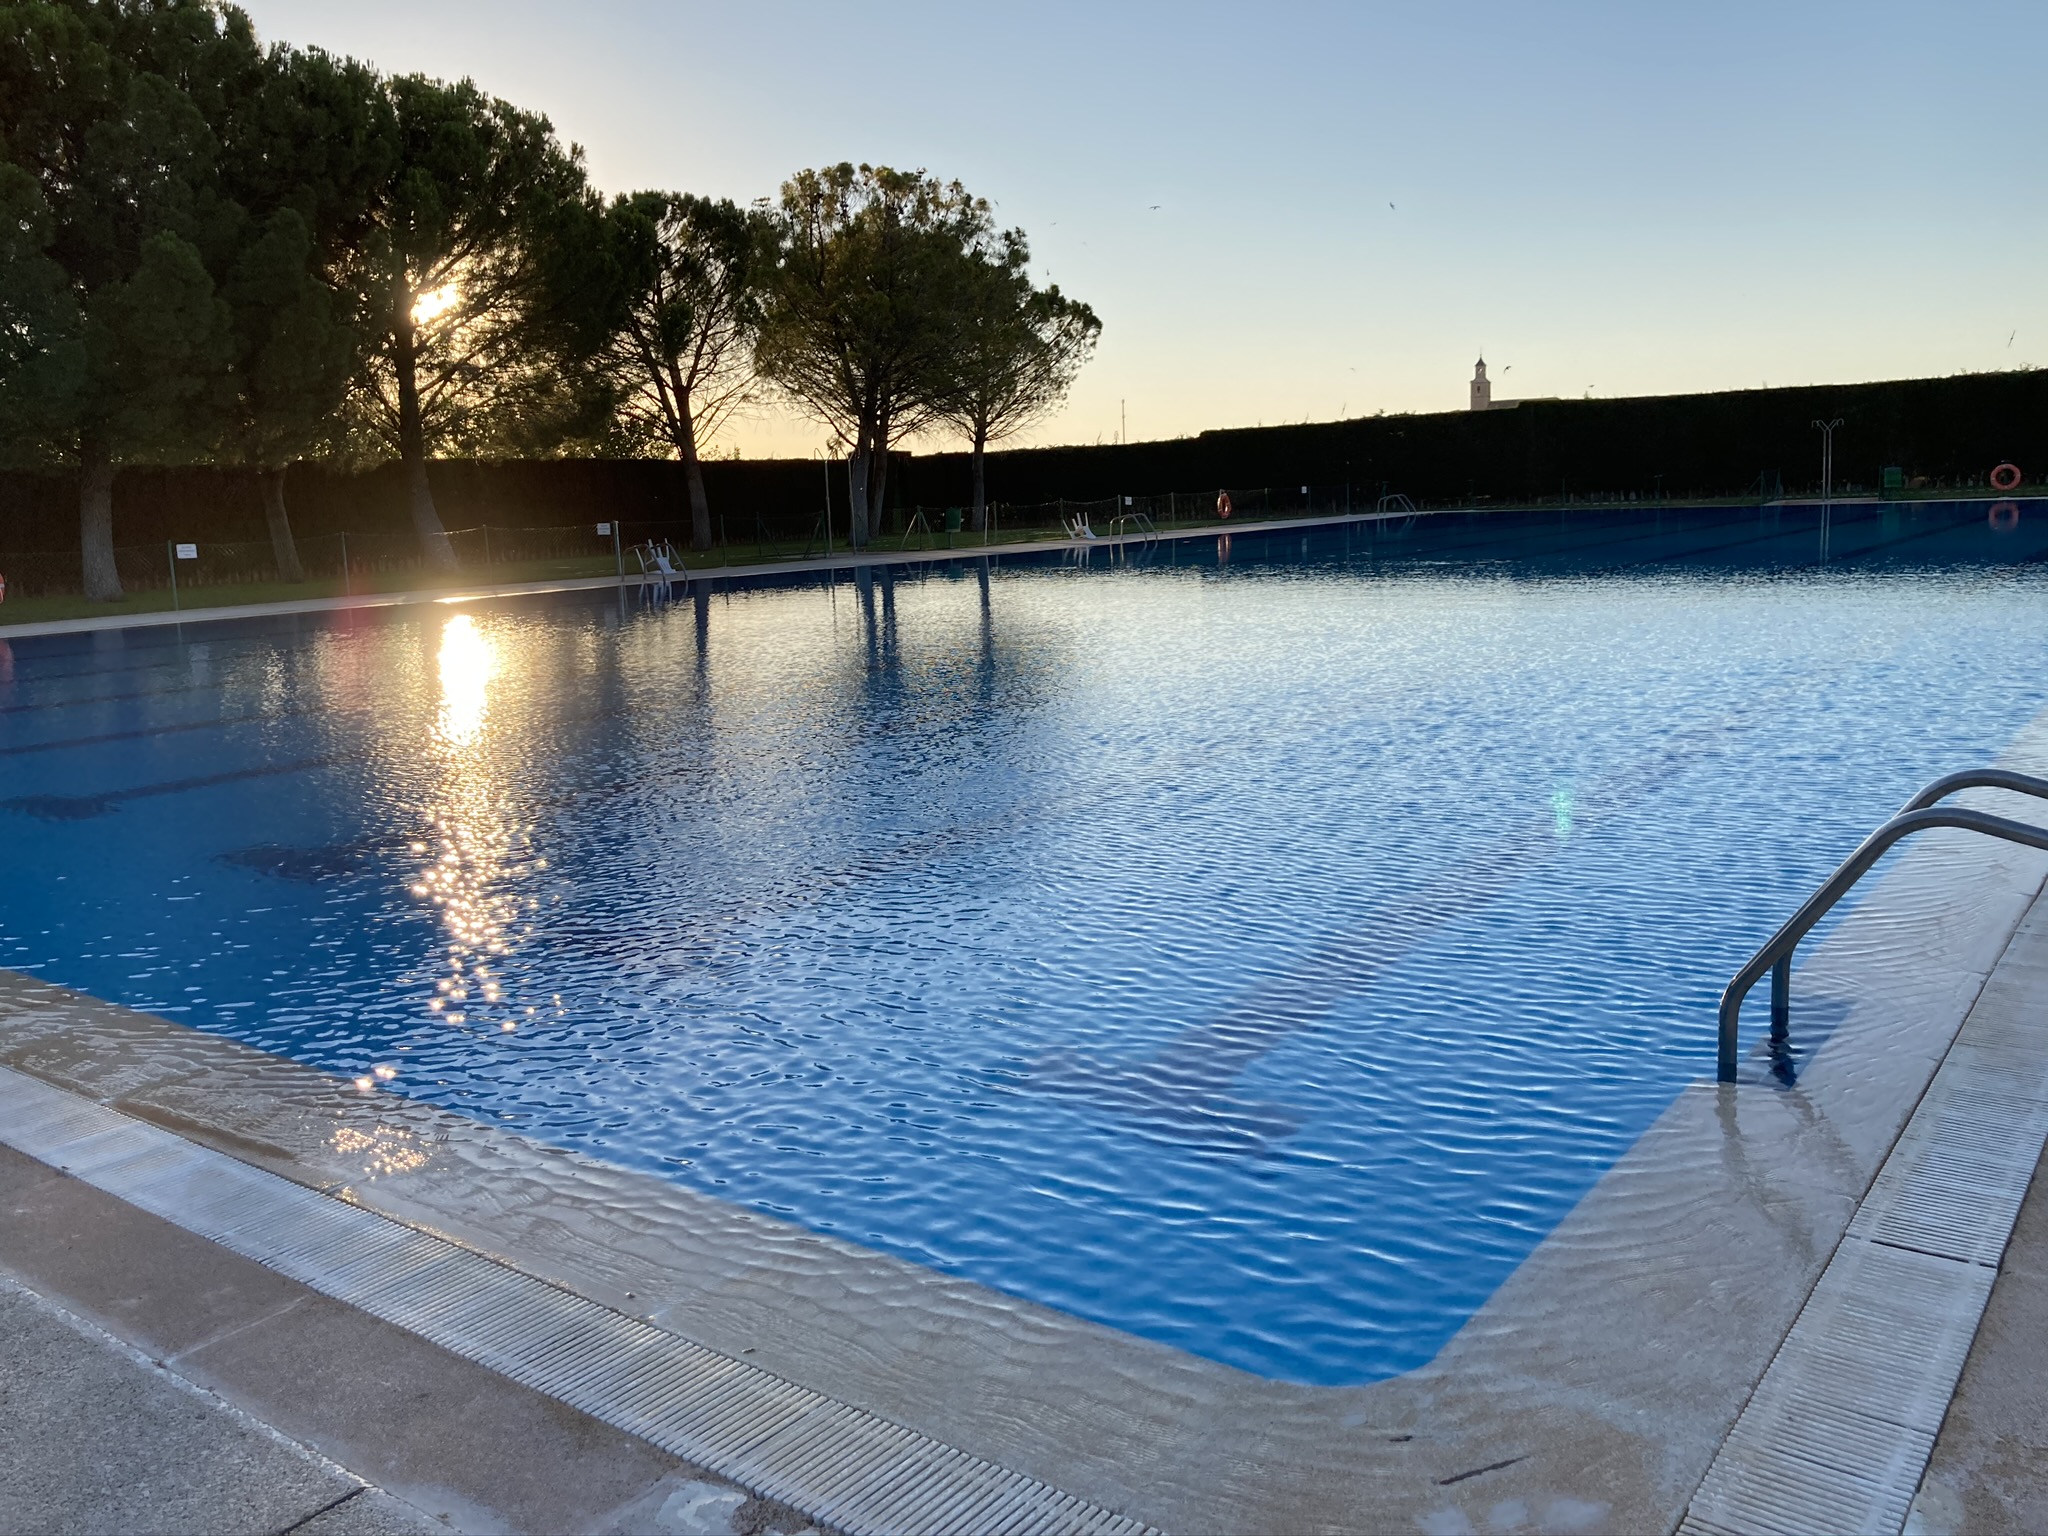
(1827, 478)
(825, 461)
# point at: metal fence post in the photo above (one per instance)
(171, 550)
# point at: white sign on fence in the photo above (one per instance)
(188, 551)
(604, 530)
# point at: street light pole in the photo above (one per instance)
(1827, 478)
(825, 460)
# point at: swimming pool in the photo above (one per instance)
(1255, 948)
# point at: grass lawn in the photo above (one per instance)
(38, 610)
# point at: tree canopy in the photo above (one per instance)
(109, 111)
(316, 146)
(450, 273)
(674, 285)
(861, 314)
(217, 251)
(1014, 352)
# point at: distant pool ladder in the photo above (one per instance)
(1917, 815)
(660, 564)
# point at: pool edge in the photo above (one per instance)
(1595, 1385)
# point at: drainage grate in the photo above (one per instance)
(1837, 1434)
(832, 1461)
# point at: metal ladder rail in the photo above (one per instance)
(1976, 778)
(1918, 815)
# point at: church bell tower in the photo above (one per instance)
(1482, 392)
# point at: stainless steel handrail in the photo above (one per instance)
(1976, 778)
(1919, 814)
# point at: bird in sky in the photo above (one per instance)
(1155, 207)
(2008, 340)
(1390, 205)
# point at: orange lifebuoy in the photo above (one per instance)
(2006, 477)
(2004, 517)
(3, 588)
(1223, 504)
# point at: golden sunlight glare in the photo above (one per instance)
(467, 666)
(430, 306)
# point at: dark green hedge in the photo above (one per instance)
(1948, 432)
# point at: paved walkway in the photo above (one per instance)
(94, 1436)
(142, 1420)
(461, 594)
(151, 1381)
(1989, 1472)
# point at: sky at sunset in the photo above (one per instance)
(1287, 212)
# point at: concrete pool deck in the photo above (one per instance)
(848, 564)
(1591, 1392)
(153, 1381)
(97, 1436)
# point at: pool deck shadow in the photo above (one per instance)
(1590, 1393)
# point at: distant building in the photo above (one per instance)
(1482, 392)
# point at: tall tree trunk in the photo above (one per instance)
(96, 526)
(857, 487)
(878, 493)
(693, 472)
(283, 548)
(412, 447)
(980, 523)
(878, 471)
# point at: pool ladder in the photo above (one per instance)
(1917, 815)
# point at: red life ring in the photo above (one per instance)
(2006, 477)
(1223, 504)
(2004, 517)
(3, 588)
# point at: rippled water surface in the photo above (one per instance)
(1257, 949)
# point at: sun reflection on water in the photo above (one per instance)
(468, 663)
(382, 1150)
(473, 848)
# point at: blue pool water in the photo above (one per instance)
(1255, 949)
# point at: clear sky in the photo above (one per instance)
(1300, 211)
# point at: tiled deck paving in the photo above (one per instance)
(1989, 1472)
